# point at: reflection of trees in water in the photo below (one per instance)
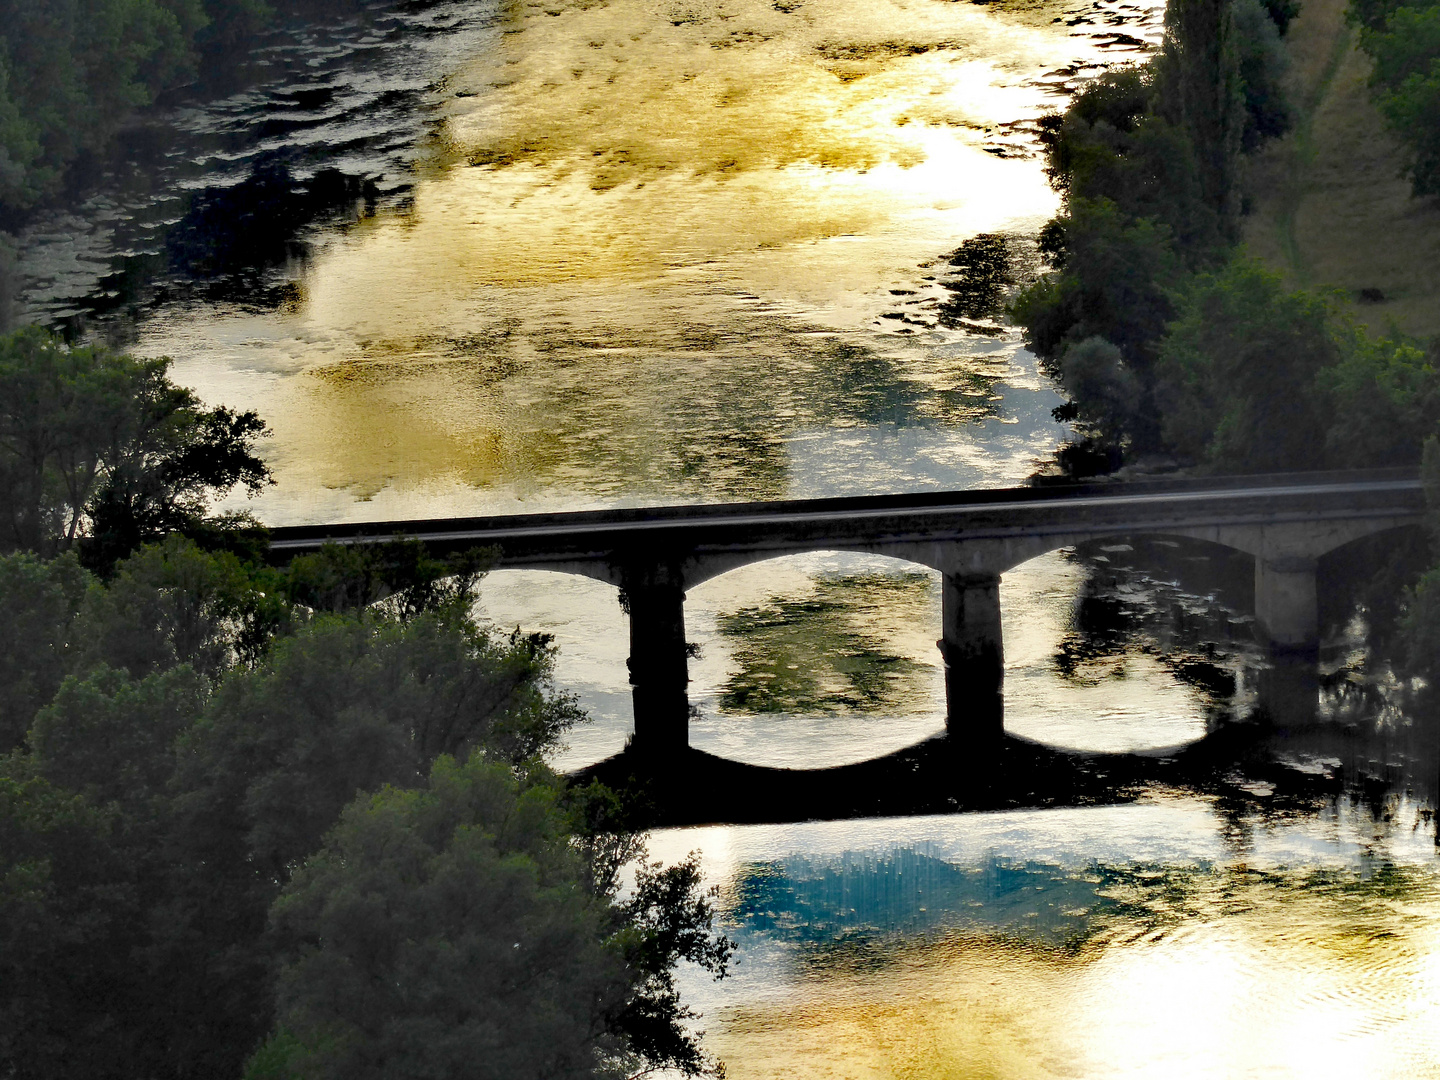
(1177, 601)
(823, 653)
(1346, 735)
(625, 411)
(230, 178)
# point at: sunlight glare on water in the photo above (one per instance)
(637, 215)
(1129, 941)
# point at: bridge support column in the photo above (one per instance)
(974, 655)
(1288, 692)
(659, 662)
(1286, 606)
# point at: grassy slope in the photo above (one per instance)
(1330, 206)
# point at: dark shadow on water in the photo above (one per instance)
(254, 225)
(1251, 765)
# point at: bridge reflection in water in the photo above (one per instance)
(1286, 523)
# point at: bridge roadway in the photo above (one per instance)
(654, 554)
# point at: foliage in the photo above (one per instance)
(348, 704)
(1404, 40)
(192, 734)
(99, 445)
(441, 932)
(401, 574)
(40, 601)
(1094, 371)
(70, 919)
(1383, 398)
(1148, 160)
(665, 919)
(172, 603)
(1238, 372)
(1116, 284)
(1163, 338)
(1263, 64)
(1254, 377)
(71, 72)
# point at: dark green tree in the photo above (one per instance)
(447, 932)
(99, 446)
(1238, 372)
(442, 932)
(1404, 40)
(37, 636)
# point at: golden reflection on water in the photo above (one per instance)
(1177, 971)
(636, 214)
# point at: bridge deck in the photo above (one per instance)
(950, 515)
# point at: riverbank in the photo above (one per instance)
(1330, 206)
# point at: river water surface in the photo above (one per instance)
(589, 253)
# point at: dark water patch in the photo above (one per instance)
(340, 94)
(1186, 603)
(982, 272)
(254, 224)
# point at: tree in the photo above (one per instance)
(442, 932)
(40, 601)
(70, 918)
(1404, 40)
(1383, 401)
(1200, 91)
(400, 575)
(193, 736)
(1238, 371)
(446, 932)
(101, 445)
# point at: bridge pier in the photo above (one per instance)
(1286, 604)
(974, 654)
(659, 661)
(1288, 692)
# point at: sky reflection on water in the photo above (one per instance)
(668, 253)
(1141, 940)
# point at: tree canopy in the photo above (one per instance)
(99, 450)
(224, 813)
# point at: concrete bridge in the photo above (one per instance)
(654, 554)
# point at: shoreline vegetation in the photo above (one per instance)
(1170, 338)
(1159, 318)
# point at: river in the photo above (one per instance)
(561, 254)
